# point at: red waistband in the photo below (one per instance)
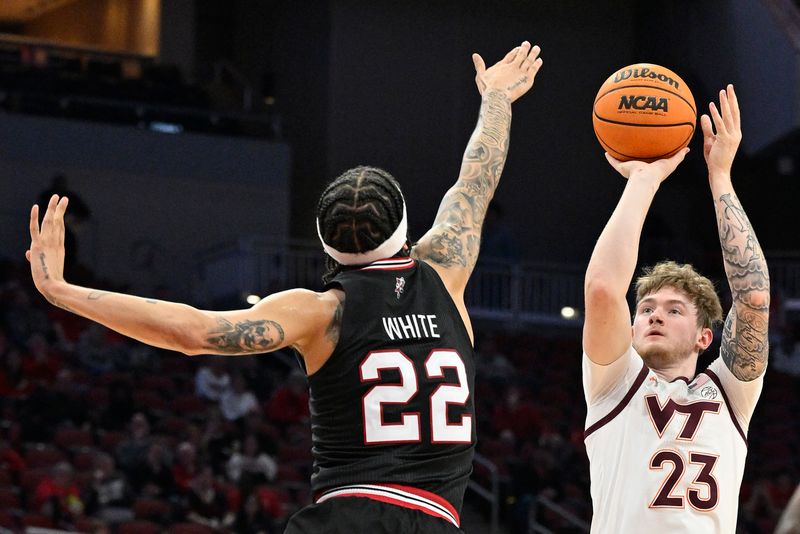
(405, 496)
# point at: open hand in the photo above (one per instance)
(719, 148)
(514, 74)
(658, 169)
(46, 254)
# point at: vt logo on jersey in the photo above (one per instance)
(399, 285)
(661, 416)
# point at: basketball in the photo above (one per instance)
(644, 112)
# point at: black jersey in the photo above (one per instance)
(394, 402)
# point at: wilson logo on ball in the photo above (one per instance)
(644, 111)
(643, 102)
(645, 72)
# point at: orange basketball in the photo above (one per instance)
(644, 112)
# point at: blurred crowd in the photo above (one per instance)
(102, 434)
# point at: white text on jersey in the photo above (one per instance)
(410, 326)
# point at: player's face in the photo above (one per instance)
(665, 329)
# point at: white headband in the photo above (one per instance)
(394, 243)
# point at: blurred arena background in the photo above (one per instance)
(194, 138)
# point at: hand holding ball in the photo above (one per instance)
(644, 112)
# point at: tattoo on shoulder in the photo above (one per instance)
(335, 326)
(245, 336)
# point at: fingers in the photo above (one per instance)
(734, 105)
(522, 53)
(719, 124)
(725, 109)
(480, 66)
(705, 125)
(511, 55)
(34, 222)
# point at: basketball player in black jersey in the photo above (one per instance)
(387, 345)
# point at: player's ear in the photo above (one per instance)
(705, 339)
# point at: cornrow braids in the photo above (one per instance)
(357, 212)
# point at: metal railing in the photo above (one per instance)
(544, 502)
(520, 293)
(490, 494)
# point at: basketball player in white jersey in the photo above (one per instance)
(667, 446)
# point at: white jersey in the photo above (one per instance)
(665, 457)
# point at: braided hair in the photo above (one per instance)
(357, 212)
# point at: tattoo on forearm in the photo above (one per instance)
(744, 262)
(745, 346)
(151, 301)
(464, 207)
(245, 336)
(44, 266)
(96, 295)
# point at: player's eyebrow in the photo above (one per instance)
(652, 300)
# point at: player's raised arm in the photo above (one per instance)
(452, 243)
(291, 318)
(744, 347)
(607, 327)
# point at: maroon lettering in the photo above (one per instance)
(661, 416)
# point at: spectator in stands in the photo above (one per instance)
(131, 452)
(13, 382)
(206, 503)
(212, 381)
(289, 404)
(237, 400)
(252, 518)
(250, 467)
(41, 363)
(154, 478)
(185, 467)
(109, 496)
(96, 355)
(58, 497)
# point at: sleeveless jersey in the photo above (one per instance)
(392, 408)
(665, 457)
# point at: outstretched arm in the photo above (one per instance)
(744, 347)
(290, 318)
(452, 243)
(607, 327)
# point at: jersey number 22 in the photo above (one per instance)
(376, 431)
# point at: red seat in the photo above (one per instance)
(190, 528)
(43, 456)
(7, 520)
(151, 509)
(139, 527)
(37, 520)
(70, 438)
(31, 478)
(8, 498)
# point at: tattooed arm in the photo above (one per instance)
(452, 244)
(744, 347)
(298, 318)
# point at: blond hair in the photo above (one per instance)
(684, 278)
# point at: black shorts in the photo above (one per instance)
(357, 515)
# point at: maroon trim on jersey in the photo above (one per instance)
(622, 404)
(390, 264)
(714, 378)
(398, 495)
